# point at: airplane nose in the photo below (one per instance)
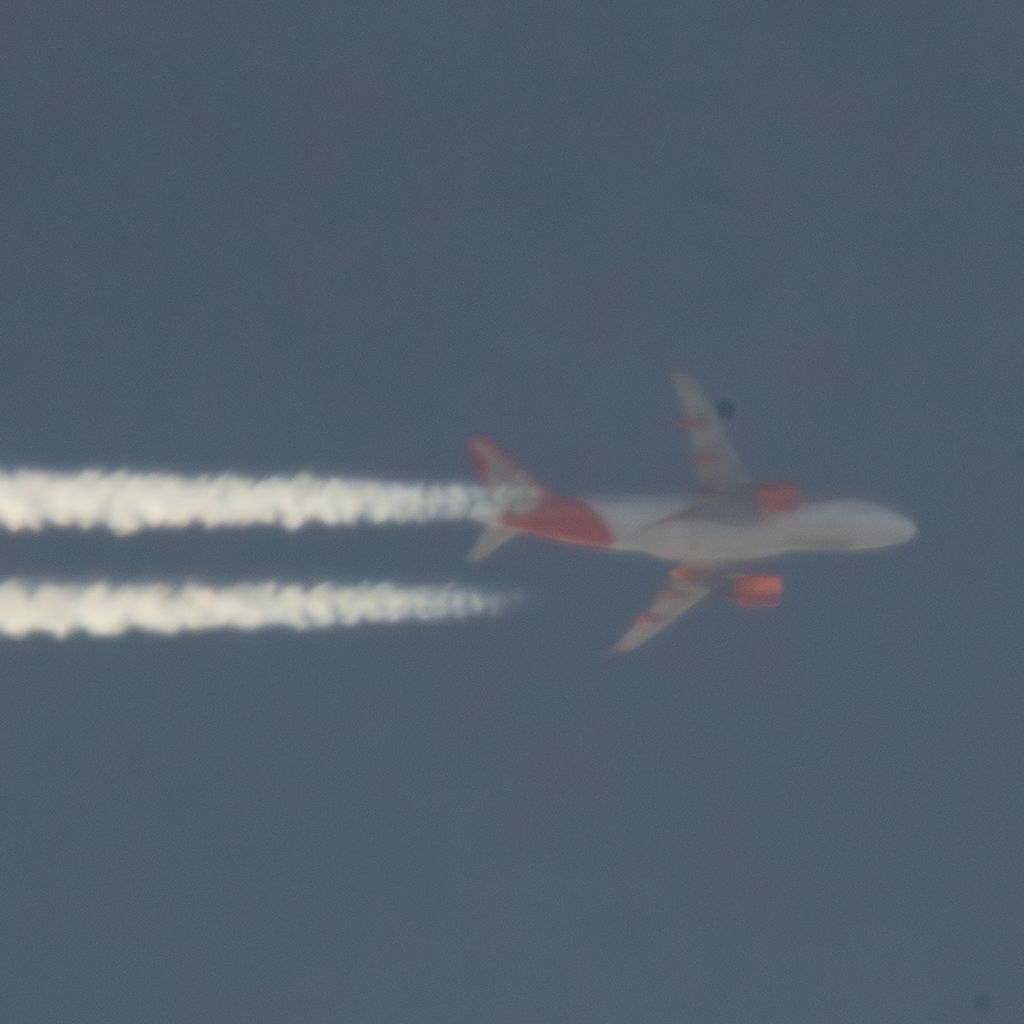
(903, 528)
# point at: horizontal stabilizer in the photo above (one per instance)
(488, 542)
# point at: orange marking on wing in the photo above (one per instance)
(694, 422)
(684, 572)
(706, 458)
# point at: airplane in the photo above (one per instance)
(709, 536)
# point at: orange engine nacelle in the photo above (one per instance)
(777, 497)
(757, 591)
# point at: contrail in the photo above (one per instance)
(126, 502)
(111, 609)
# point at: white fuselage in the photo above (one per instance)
(682, 531)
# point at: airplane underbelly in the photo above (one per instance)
(708, 543)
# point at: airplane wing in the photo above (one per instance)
(715, 463)
(669, 604)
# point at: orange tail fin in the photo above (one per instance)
(498, 469)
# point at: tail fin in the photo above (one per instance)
(508, 483)
(519, 504)
(498, 469)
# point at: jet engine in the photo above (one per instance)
(757, 591)
(781, 497)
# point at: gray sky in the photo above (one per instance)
(342, 237)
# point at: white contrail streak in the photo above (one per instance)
(112, 609)
(125, 502)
